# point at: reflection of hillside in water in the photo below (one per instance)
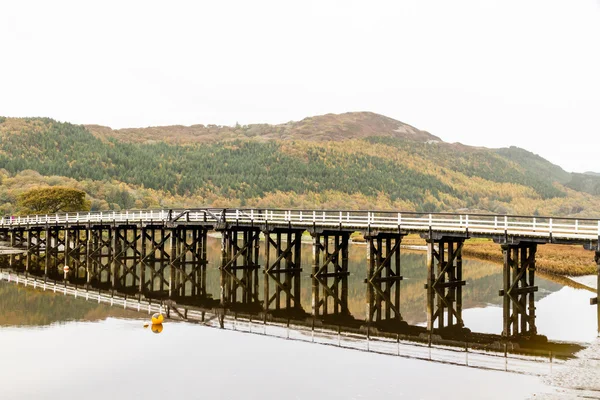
(484, 280)
(26, 306)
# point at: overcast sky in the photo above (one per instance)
(480, 72)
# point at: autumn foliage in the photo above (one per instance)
(47, 200)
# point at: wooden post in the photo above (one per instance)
(142, 261)
(444, 283)
(13, 243)
(47, 246)
(597, 259)
(519, 289)
(345, 237)
(297, 273)
(266, 291)
(66, 252)
(174, 252)
(282, 268)
(442, 278)
(330, 274)
(430, 280)
(225, 258)
(28, 265)
(115, 250)
(315, 269)
(506, 253)
(370, 297)
(204, 262)
(88, 261)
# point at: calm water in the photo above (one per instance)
(60, 347)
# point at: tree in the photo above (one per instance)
(48, 200)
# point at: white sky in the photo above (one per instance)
(481, 72)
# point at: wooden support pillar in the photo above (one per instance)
(106, 255)
(444, 283)
(283, 267)
(13, 245)
(316, 262)
(28, 262)
(17, 242)
(596, 300)
(519, 289)
(33, 257)
(47, 246)
(75, 249)
(54, 258)
(188, 262)
(116, 253)
(239, 268)
(225, 259)
(383, 278)
(154, 259)
(125, 257)
(173, 248)
(164, 259)
(330, 274)
(89, 266)
(98, 254)
(66, 253)
(142, 287)
(4, 239)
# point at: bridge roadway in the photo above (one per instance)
(150, 252)
(502, 228)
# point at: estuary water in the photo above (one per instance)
(55, 346)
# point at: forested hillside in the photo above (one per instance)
(354, 160)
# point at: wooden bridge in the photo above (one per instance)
(162, 254)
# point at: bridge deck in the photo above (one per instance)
(507, 228)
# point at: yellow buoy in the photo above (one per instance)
(157, 319)
(157, 328)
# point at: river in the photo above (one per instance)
(55, 346)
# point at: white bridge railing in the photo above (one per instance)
(482, 224)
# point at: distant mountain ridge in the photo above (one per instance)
(328, 127)
(352, 160)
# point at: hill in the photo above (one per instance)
(352, 160)
(329, 127)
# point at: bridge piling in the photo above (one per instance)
(13, 244)
(239, 267)
(75, 251)
(519, 289)
(282, 268)
(383, 278)
(444, 283)
(99, 256)
(54, 252)
(596, 300)
(330, 274)
(188, 264)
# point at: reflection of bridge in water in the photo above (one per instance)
(163, 256)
